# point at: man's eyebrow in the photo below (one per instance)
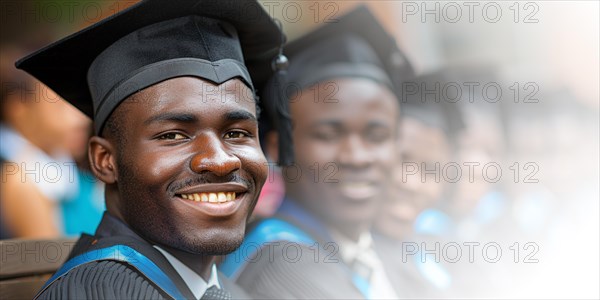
(240, 115)
(377, 124)
(332, 123)
(172, 117)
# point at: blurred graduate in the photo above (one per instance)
(341, 86)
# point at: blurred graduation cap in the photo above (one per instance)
(426, 101)
(356, 45)
(98, 67)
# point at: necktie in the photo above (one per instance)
(215, 293)
(362, 267)
(370, 268)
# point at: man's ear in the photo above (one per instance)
(102, 159)
(272, 145)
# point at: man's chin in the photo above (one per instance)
(220, 246)
(221, 242)
(220, 249)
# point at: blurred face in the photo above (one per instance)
(343, 149)
(53, 124)
(190, 167)
(469, 193)
(421, 147)
(480, 143)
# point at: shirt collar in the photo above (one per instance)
(195, 282)
(350, 249)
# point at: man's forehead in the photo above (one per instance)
(191, 91)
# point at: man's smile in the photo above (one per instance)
(359, 190)
(219, 197)
(215, 200)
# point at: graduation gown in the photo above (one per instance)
(113, 279)
(292, 267)
(402, 270)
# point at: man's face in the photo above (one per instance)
(189, 164)
(344, 137)
(477, 144)
(421, 148)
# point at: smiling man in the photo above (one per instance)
(345, 113)
(170, 87)
(428, 128)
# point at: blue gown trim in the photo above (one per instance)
(124, 254)
(267, 231)
(274, 230)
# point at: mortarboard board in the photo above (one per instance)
(356, 45)
(96, 68)
(429, 101)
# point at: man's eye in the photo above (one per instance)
(325, 135)
(172, 136)
(379, 135)
(236, 135)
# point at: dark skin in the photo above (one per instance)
(176, 139)
(351, 144)
(410, 194)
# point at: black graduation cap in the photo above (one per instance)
(155, 40)
(427, 99)
(356, 45)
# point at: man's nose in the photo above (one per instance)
(212, 156)
(355, 153)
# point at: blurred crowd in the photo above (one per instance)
(522, 176)
(47, 189)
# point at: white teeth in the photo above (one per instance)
(212, 197)
(359, 190)
(220, 197)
